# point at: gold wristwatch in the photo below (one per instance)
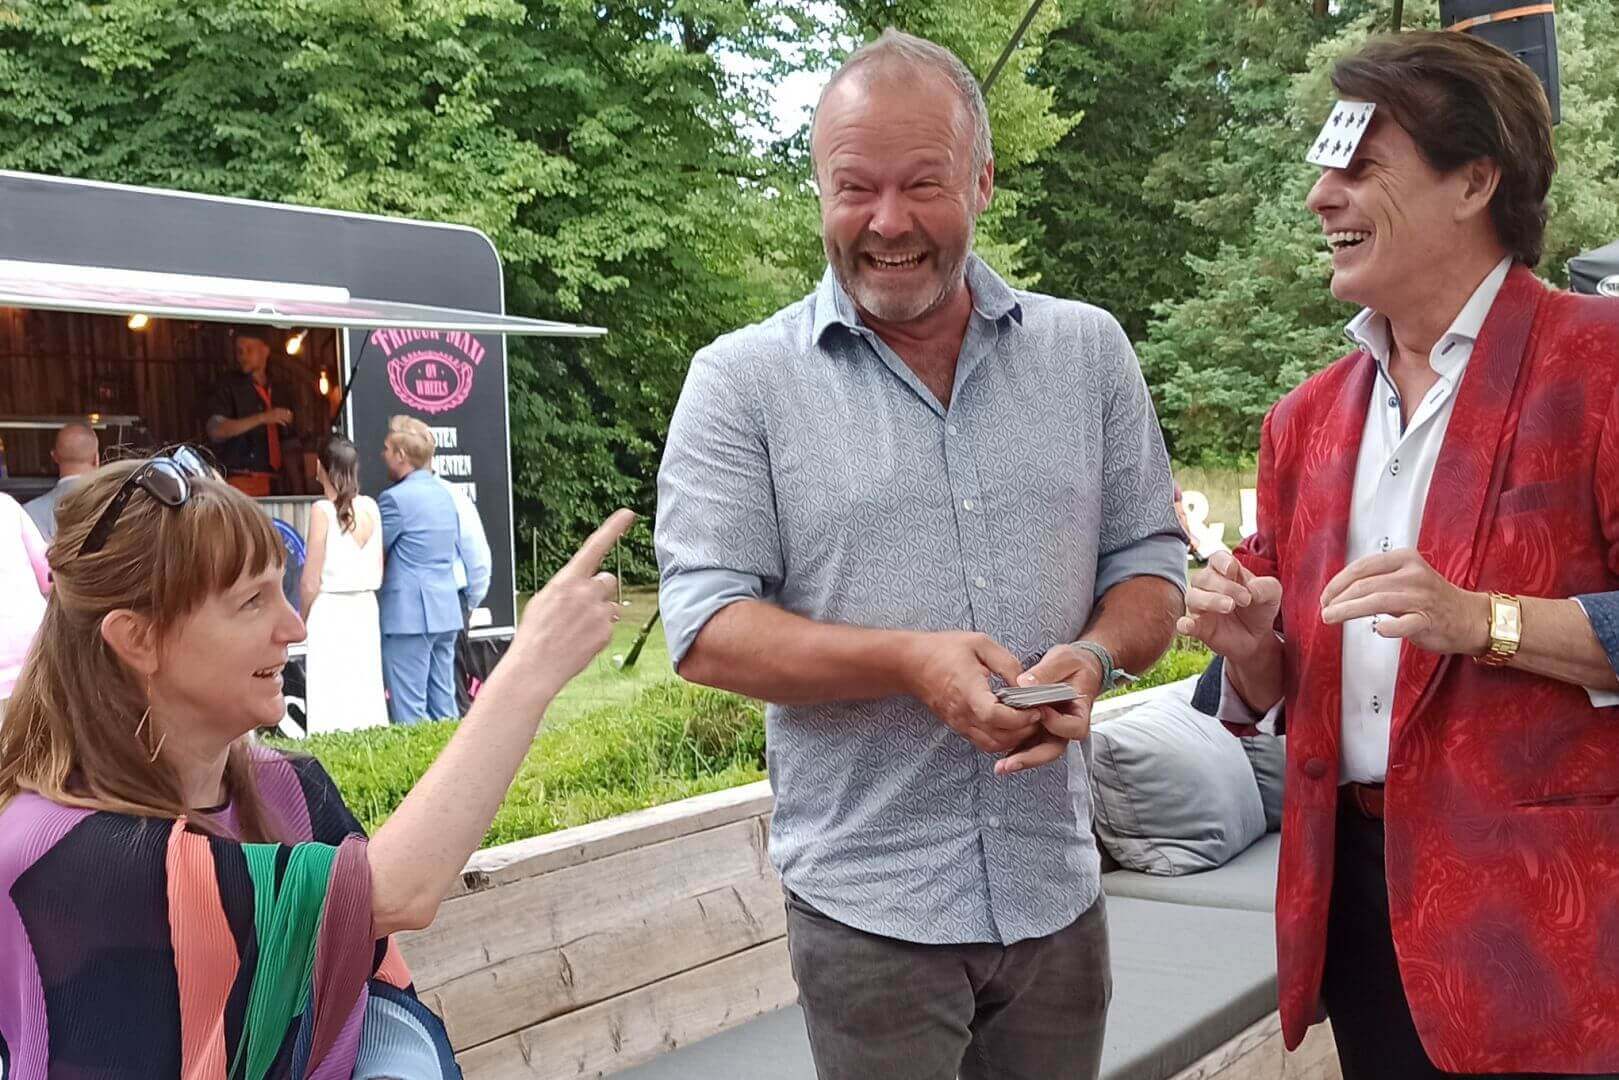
(1506, 630)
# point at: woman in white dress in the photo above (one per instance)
(343, 681)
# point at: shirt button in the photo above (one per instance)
(1394, 402)
(994, 822)
(1377, 706)
(981, 583)
(1383, 544)
(966, 504)
(1394, 467)
(1315, 768)
(952, 429)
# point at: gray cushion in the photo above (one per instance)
(1185, 981)
(1268, 756)
(1173, 789)
(1247, 883)
(775, 1045)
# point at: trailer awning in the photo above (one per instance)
(114, 291)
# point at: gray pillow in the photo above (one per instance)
(1173, 789)
(1268, 756)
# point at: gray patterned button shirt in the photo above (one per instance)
(807, 465)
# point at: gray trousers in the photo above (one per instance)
(882, 1009)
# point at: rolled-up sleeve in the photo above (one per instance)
(1140, 535)
(689, 599)
(716, 535)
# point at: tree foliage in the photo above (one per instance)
(1147, 153)
(1098, 224)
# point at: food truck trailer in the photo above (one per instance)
(118, 306)
(1596, 271)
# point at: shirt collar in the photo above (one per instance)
(1370, 330)
(993, 299)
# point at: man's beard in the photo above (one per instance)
(900, 305)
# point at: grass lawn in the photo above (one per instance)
(612, 742)
(669, 742)
(602, 684)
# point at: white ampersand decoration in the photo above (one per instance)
(1207, 537)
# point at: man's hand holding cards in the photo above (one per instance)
(1062, 687)
(1032, 697)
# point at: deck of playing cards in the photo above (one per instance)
(1029, 697)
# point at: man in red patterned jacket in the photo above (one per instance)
(1433, 507)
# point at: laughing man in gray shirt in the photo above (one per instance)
(877, 506)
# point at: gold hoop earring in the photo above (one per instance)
(147, 742)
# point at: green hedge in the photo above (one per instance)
(671, 741)
(1187, 657)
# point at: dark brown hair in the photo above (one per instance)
(1462, 99)
(342, 464)
(78, 730)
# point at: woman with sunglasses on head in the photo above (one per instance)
(178, 901)
(343, 570)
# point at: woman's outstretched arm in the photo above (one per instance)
(423, 847)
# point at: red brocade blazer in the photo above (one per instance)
(1502, 796)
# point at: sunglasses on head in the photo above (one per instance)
(166, 478)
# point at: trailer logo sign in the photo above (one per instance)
(430, 371)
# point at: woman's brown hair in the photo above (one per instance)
(342, 464)
(74, 728)
(1462, 99)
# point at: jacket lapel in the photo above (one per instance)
(1472, 464)
(1323, 501)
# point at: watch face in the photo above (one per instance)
(1506, 621)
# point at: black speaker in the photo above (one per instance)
(1526, 30)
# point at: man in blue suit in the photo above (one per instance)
(419, 602)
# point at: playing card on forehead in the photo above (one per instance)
(1335, 147)
(1029, 697)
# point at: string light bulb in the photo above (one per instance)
(295, 344)
(325, 383)
(139, 321)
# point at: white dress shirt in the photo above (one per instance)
(1391, 487)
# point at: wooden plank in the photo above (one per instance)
(538, 913)
(1253, 1054)
(1315, 1059)
(585, 843)
(536, 987)
(1258, 1053)
(635, 1027)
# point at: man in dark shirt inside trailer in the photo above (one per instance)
(246, 415)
